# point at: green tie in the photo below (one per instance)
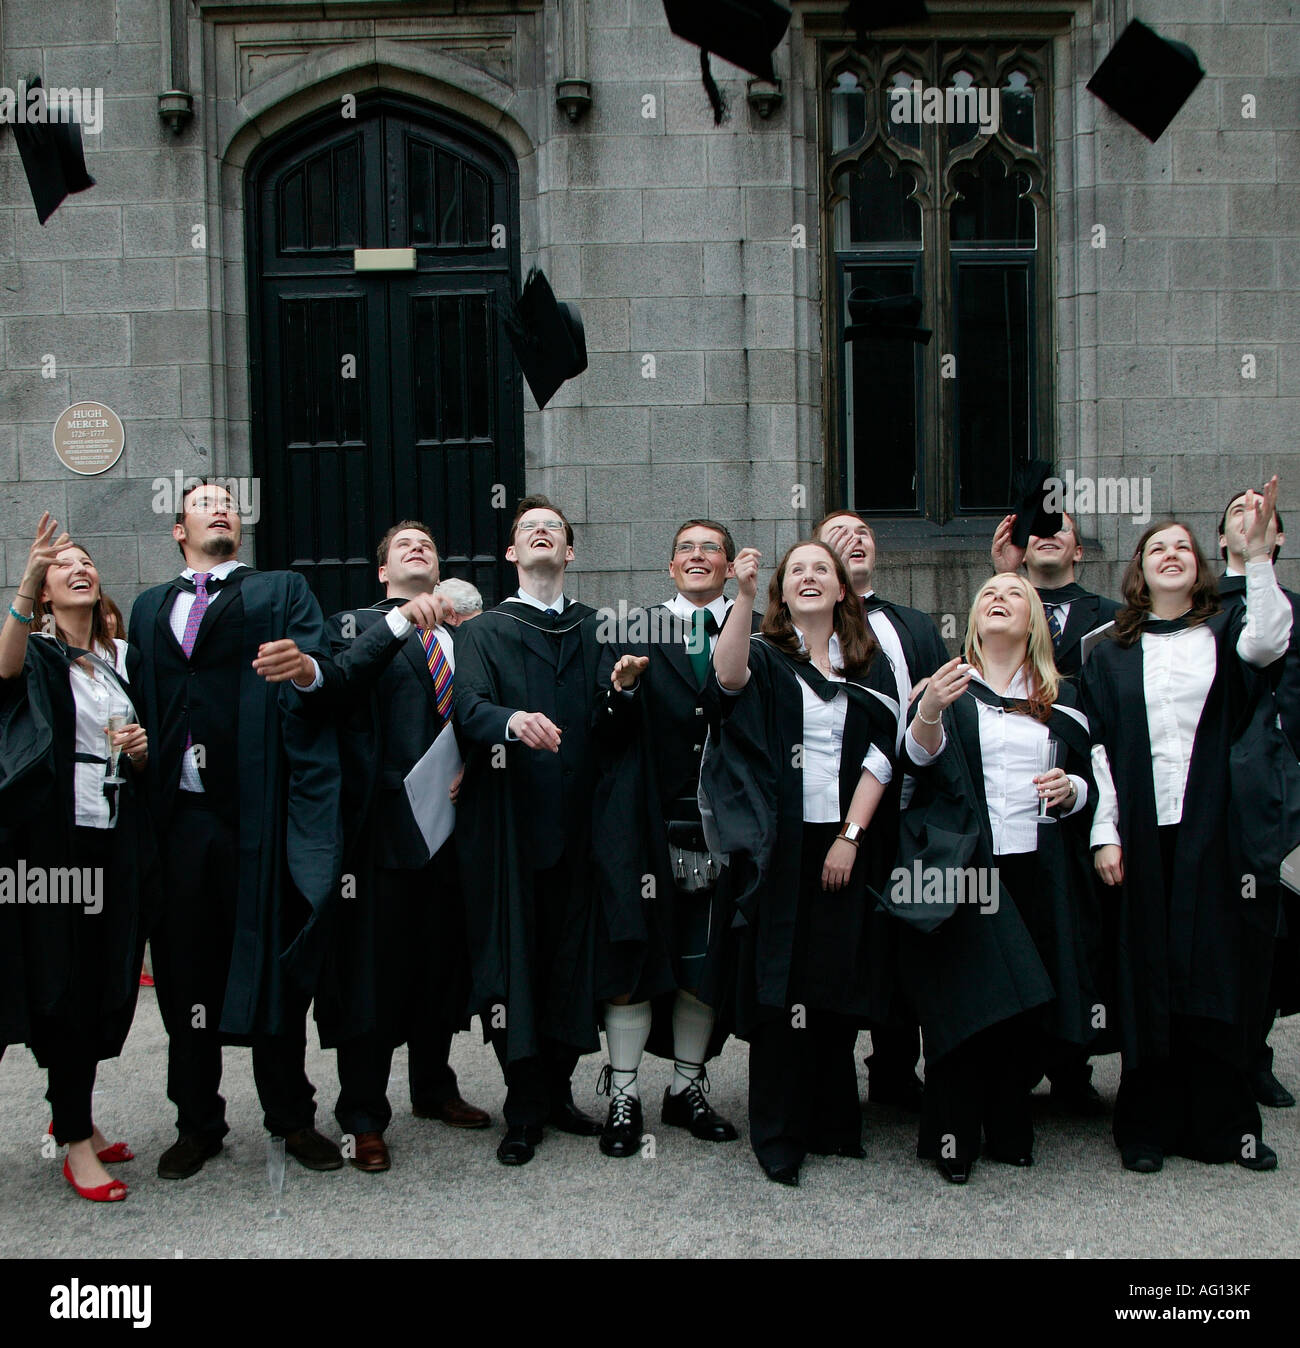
(698, 651)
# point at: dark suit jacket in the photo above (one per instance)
(1087, 611)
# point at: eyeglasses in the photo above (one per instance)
(532, 526)
(684, 549)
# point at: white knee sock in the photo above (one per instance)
(692, 1029)
(626, 1030)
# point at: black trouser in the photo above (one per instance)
(535, 1086)
(191, 955)
(979, 1087)
(71, 1084)
(365, 1065)
(803, 1087)
(894, 1054)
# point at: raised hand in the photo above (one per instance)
(45, 548)
(746, 565)
(946, 685)
(1006, 556)
(1259, 514)
(628, 670)
(428, 610)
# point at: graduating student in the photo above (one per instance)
(808, 723)
(525, 692)
(76, 847)
(992, 980)
(248, 827)
(1283, 994)
(1050, 561)
(911, 641)
(399, 966)
(672, 945)
(1163, 698)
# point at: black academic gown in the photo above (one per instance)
(649, 745)
(966, 968)
(379, 691)
(522, 810)
(751, 795)
(49, 988)
(1087, 611)
(1204, 949)
(290, 837)
(1284, 991)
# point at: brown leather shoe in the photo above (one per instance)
(454, 1112)
(372, 1153)
(309, 1148)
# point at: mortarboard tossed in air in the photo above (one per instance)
(52, 159)
(547, 336)
(893, 317)
(1032, 517)
(1146, 79)
(744, 32)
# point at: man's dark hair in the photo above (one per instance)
(836, 514)
(728, 543)
(538, 502)
(1223, 519)
(190, 490)
(381, 552)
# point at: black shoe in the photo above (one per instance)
(1265, 1158)
(852, 1150)
(906, 1093)
(568, 1118)
(621, 1135)
(1011, 1158)
(518, 1145)
(689, 1109)
(186, 1155)
(955, 1172)
(783, 1174)
(310, 1149)
(1142, 1158)
(1082, 1101)
(1268, 1090)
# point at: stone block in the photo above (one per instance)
(1131, 372)
(54, 22)
(84, 339)
(1124, 156)
(622, 108)
(117, 559)
(1170, 426)
(1201, 371)
(620, 378)
(1266, 210)
(170, 337)
(750, 376)
(566, 486)
(160, 447)
(1258, 315)
(141, 391)
(757, 491)
(608, 215)
(1170, 210)
(1224, 156)
(1259, 426)
(192, 285)
(160, 558)
(770, 214)
(117, 285)
(161, 230)
(125, 503)
(687, 325)
(1277, 102)
(196, 390)
(1133, 264)
(1175, 316)
(1230, 49)
(680, 215)
(30, 287)
(641, 269)
(25, 396)
(1288, 370)
(1284, 49)
(634, 161)
(74, 231)
(1115, 317)
(1221, 264)
(692, 434)
(688, 108)
(607, 324)
(582, 436)
(749, 161)
(602, 547)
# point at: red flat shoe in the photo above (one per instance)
(146, 980)
(112, 1192)
(113, 1155)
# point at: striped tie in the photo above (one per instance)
(439, 669)
(194, 620)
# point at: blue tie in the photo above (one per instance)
(1054, 624)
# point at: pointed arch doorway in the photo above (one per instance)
(385, 394)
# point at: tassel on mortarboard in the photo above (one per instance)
(716, 101)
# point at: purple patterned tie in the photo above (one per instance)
(197, 610)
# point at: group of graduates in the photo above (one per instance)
(710, 817)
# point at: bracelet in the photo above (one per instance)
(925, 720)
(839, 837)
(25, 620)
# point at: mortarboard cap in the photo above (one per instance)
(1031, 515)
(872, 16)
(1146, 78)
(892, 317)
(744, 32)
(52, 159)
(547, 336)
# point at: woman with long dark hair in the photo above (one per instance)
(1163, 698)
(75, 835)
(993, 878)
(792, 775)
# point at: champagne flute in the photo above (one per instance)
(115, 723)
(1049, 757)
(275, 1172)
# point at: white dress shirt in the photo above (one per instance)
(190, 780)
(95, 698)
(823, 740)
(1009, 748)
(886, 635)
(557, 603)
(681, 607)
(1177, 671)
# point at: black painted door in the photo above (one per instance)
(379, 396)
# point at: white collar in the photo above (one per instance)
(1018, 687)
(220, 571)
(682, 608)
(557, 603)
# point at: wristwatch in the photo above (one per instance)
(850, 831)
